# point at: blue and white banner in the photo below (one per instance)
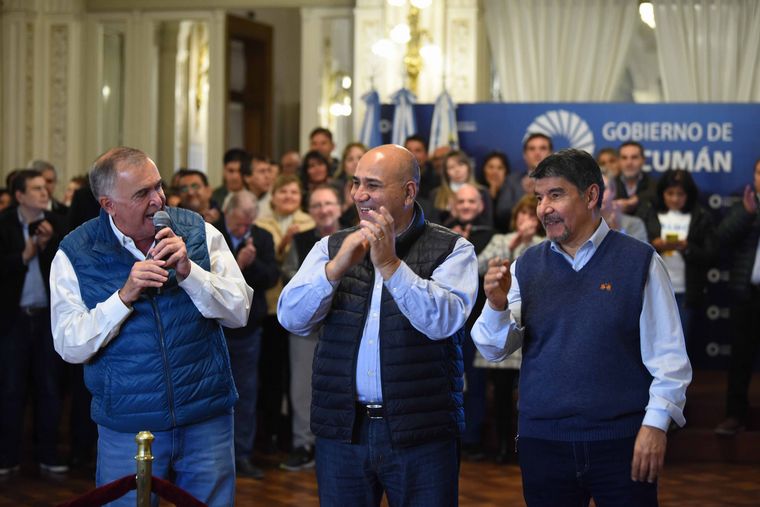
(718, 143)
(404, 124)
(370, 134)
(443, 128)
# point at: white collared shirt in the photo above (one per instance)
(78, 332)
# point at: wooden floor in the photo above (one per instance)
(481, 484)
(701, 469)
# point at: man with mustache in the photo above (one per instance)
(604, 368)
(392, 296)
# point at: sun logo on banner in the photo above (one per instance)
(563, 125)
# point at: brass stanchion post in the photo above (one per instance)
(144, 460)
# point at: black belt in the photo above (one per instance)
(31, 311)
(371, 410)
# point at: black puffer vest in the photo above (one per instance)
(422, 379)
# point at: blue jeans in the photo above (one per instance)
(198, 457)
(558, 474)
(356, 474)
(244, 359)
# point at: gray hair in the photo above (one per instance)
(103, 172)
(42, 165)
(243, 201)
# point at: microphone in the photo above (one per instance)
(161, 220)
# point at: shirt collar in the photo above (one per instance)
(591, 243)
(40, 216)
(124, 240)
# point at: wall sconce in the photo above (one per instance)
(201, 80)
(340, 102)
(416, 41)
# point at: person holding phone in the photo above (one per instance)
(29, 236)
(682, 232)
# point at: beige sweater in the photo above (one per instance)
(277, 225)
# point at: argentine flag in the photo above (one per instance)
(404, 124)
(443, 129)
(370, 133)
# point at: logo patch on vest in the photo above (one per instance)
(606, 286)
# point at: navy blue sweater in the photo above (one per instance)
(582, 376)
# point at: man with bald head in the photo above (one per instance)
(391, 297)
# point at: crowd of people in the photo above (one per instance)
(348, 308)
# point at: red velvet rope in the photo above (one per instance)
(173, 494)
(120, 487)
(104, 494)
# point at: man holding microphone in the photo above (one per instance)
(153, 361)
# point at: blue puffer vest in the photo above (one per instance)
(169, 365)
(422, 379)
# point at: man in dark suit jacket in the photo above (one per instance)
(635, 189)
(29, 236)
(253, 248)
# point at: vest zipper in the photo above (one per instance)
(162, 341)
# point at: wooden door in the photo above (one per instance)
(253, 102)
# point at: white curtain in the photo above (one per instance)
(709, 50)
(559, 50)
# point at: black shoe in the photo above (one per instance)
(244, 468)
(300, 459)
(54, 466)
(730, 426)
(9, 469)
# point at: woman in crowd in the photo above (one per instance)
(286, 220)
(348, 162)
(503, 186)
(458, 170)
(315, 170)
(527, 231)
(682, 231)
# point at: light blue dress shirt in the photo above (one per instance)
(663, 350)
(437, 307)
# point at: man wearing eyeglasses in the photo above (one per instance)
(195, 194)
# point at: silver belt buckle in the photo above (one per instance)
(372, 407)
